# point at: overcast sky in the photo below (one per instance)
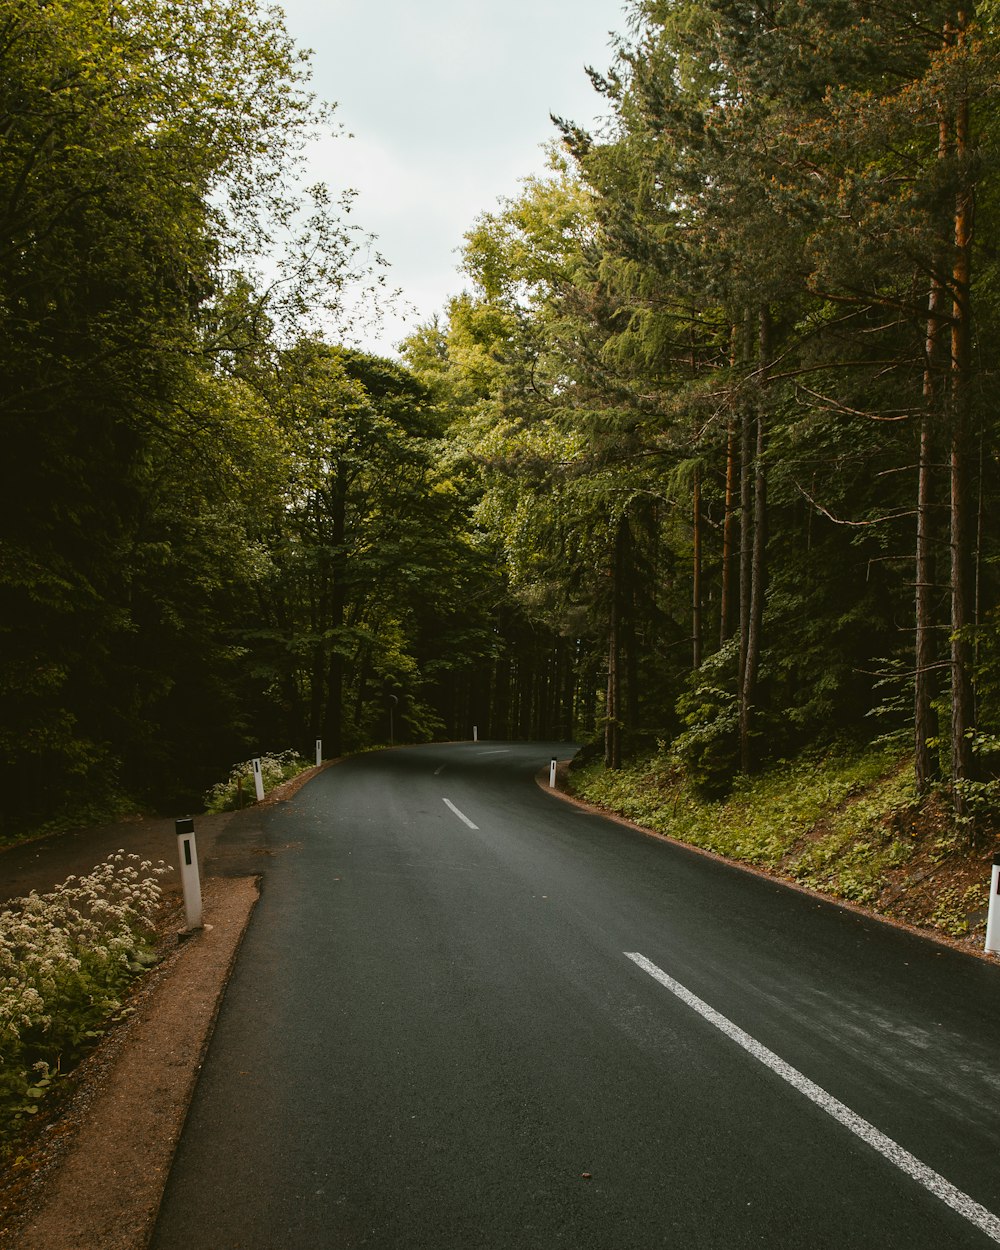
(449, 103)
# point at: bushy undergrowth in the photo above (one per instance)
(66, 959)
(835, 823)
(238, 788)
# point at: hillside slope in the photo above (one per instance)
(849, 827)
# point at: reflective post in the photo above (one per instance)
(187, 855)
(993, 915)
(319, 750)
(258, 780)
(552, 775)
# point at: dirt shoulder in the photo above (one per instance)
(95, 1178)
(91, 1175)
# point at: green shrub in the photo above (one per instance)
(238, 788)
(953, 909)
(66, 959)
(764, 819)
(708, 747)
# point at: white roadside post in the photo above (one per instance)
(552, 775)
(993, 915)
(187, 855)
(319, 750)
(258, 780)
(475, 733)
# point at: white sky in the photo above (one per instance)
(449, 103)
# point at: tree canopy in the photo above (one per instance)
(704, 455)
(740, 404)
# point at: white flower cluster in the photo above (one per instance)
(88, 924)
(274, 769)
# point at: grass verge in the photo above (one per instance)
(238, 790)
(850, 826)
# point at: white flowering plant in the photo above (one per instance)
(238, 788)
(66, 959)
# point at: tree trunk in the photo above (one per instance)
(755, 615)
(746, 535)
(613, 720)
(696, 573)
(525, 692)
(728, 527)
(612, 731)
(499, 722)
(961, 354)
(924, 727)
(961, 676)
(333, 720)
(752, 626)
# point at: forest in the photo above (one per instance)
(702, 460)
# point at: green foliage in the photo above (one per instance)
(981, 794)
(375, 593)
(239, 788)
(862, 841)
(150, 154)
(652, 474)
(708, 747)
(826, 820)
(711, 324)
(953, 908)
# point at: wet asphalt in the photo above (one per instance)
(433, 1037)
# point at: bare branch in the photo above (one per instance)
(892, 516)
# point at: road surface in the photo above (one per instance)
(469, 1015)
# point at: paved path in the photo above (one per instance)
(466, 1014)
(230, 844)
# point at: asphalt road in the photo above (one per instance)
(435, 1036)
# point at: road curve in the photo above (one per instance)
(466, 1014)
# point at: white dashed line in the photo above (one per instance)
(932, 1181)
(461, 815)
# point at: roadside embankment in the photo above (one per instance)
(849, 828)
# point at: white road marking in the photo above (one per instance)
(460, 815)
(932, 1181)
(439, 771)
(496, 751)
